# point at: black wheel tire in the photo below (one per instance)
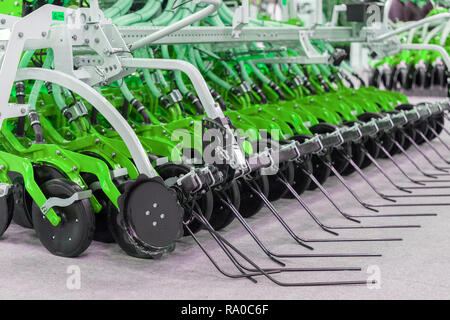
(22, 202)
(432, 124)
(372, 148)
(6, 212)
(301, 180)
(439, 119)
(398, 136)
(251, 203)
(409, 130)
(75, 232)
(320, 171)
(358, 155)
(277, 190)
(120, 236)
(205, 202)
(222, 216)
(102, 232)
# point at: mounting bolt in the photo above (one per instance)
(147, 213)
(113, 154)
(58, 152)
(155, 223)
(3, 21)
(74, 168)
(23, 111)
(97, 140)
(2, 167)
(155, 205)
(162, 216)
(20, 34)
(43, 34)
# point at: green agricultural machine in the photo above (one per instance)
(140, 122)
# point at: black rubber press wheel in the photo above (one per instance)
(75, 232)
(320, 171)
(6, 212)
(222, 216)
(251, 203)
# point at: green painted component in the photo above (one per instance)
(11, 7)
(58, 16)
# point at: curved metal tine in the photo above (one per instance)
(383, 172)
(402, 150)
(391, 195)
(216, 265)
(383, 149)
(267, 273)
(428, 142)
(363, 176)
(438, 137)
(417, 147)
(263, 272)
(364, 204)
(218, 237)
(255, 188)
(352, 217)
(224, 199)
(344, 183)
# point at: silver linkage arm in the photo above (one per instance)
(431, 47)
(212, 109)
(214, 5)
(435, 18)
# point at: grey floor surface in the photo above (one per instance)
(416, 268)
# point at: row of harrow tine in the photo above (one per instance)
(252, 269)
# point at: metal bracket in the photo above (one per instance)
(4, 189)
(62, 203)
(119, 173)
(14, 110)
(75, 111)
(240, 18)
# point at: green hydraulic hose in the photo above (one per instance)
(142, 15)
(38, 84)
(195, 58)
(119, 8)
(147, 77)
(126, 92)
